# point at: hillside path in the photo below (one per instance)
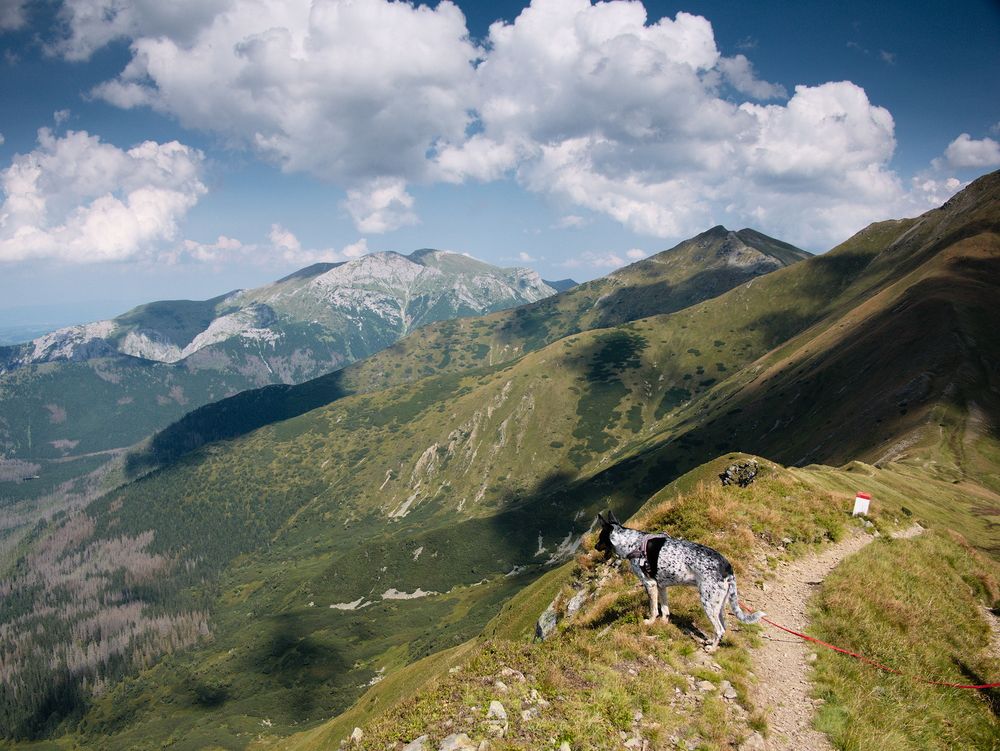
(781, 664)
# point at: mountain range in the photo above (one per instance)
(72, 400)
(295, 545)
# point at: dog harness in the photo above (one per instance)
(648, 552)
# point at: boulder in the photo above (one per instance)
(546, 623)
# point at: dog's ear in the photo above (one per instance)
(601, 519)
(614, 519)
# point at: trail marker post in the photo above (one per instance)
(861, 501)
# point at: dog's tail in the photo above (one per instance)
(734, 605)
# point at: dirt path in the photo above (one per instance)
(781, 664)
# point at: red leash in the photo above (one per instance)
(871, 662)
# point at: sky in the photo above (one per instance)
(154, 150)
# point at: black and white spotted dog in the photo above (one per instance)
(661, 561)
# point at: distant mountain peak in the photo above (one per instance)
(366, 302)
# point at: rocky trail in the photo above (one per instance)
(782, 663)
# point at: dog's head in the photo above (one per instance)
(604, 538)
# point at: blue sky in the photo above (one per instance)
(157, 150)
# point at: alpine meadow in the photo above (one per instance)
(554, 375)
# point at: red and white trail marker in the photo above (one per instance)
(861, 501)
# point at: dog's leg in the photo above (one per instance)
(664, 605)
(713, 598)
(651, 590)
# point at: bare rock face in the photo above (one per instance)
(546, 623)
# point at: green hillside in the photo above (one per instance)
(285, 571)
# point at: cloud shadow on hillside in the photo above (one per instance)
(290, 657)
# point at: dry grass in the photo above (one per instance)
(914, 605)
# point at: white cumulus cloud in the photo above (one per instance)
(222, 249)
(380, 205)
(347, 91)
(91, 24)
(79, 199)
(283, 247)
(598, 106)
(965, 151)
(738, 72)
(629, 121)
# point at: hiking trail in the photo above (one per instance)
(782, 664)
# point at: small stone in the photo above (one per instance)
(454, 670)
(576, 602)
(502, 687)
(458, 742)
(417, 744)
(637, 715)
(484, 746)
(564, 746)
(496, 719)
(356, 736)
(728, 692)
(786, 540)
(706, 686)
(497, 711)
(754, 743)
(511, 673)
(529, 714)
(812, 657)
(633, 743)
